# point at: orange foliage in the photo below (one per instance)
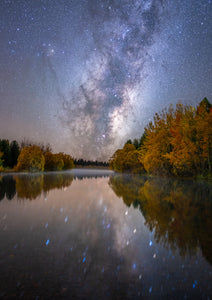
(58, 161)
(30, 159)
(178, 142)
(126, 160)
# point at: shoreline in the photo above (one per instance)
(98, 169)
(89, 169)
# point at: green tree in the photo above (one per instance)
(14, 152)
(5, 148)
(136, 143)
(1, 162)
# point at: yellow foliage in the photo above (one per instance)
(30, 159)
(67, 160)
(58, 161)
(29, 187)
(53, 162)
(178, 142)
(172, 209)
(126, 160)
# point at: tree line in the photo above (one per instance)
(178, 142)
(28, 156)
(84, 163)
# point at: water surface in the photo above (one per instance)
(98, 235)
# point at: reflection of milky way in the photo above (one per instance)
(87, 242)
(88, 75)
(121, 37)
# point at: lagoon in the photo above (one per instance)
(100, 235)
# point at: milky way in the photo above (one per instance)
(87, 75)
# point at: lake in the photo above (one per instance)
(94, 234)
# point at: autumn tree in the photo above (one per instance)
(67, 160)
(178, 142)
(28, 143)
(30, 159)
(126, 160)
(53, 162)
(182, 158)
(156, 144)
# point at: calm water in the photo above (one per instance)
(97, 235)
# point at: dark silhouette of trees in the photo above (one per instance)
(5, 149)
(7, 187)
(85, 163)
(10, 153)
(14, 153)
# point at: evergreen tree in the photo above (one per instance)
(136, 143)
(14, 152)
(5, 148)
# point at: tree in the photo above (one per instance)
(177, 142)
(5, 148)
(129, 142)
(44, 147)
(136, 143)
(30, 159)
(205, 104)
(67, 160)
(53, 162)
(1, 162)
(142, 139)
(183, 156)
(14, 152)
(126, 160)
(156, 144)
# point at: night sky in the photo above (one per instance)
(87, 75)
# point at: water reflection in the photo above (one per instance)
(7, 187)
(30, 186)
(78, 240)
(179, 213)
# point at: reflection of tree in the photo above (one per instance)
(179, 212)
(57, 181)
(30, 186)
(7, 187)
(127, 188)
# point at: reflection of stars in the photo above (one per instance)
(50, 52)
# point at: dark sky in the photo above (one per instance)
(86, 75)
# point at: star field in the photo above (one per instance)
(87, 75)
